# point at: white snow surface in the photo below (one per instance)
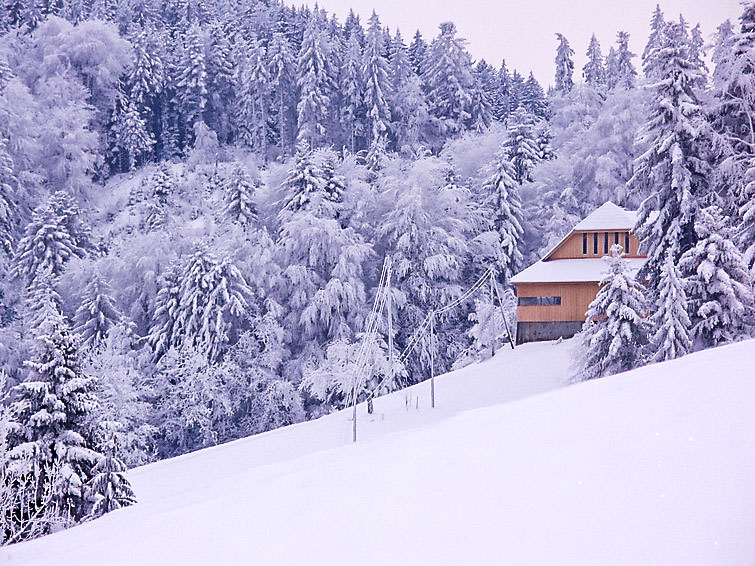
(608, 216)
(571, 270)
(654, 466)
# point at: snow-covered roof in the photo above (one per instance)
(608, 216)
(571, 270)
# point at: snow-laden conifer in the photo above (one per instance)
(615, 330)
(674, 169)
(377, 86)
(97, 313)
(564, 65)
(717, 282)
(520, 146)
(594, 70)
(670, 320)
(239, 195)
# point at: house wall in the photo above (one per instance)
(575, 298)
(572, 247)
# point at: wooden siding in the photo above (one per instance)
(571, 248)
(575, 298)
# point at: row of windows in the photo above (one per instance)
(539, 301)
(596, 238)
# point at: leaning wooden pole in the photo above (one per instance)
(500, 306)
(432, 359)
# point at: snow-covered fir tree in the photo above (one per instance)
(674, 168)
(377, 86)
(564, 65)
(670, 321)
(594, 70)
(351, 87)
(624, 73)
(239, 203)
(133, 138)
(51, 408)
(651, 55)
(717, 282)
(203, 308)
(97, 313)
(253, 96)
(450, 83)
(521, 146)
(315, 84)
(503, 194)
(192, 83)
(53, 236)
(615, 330)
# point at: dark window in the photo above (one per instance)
(626, 242)
(584, 244)
(605, 243)
(615, 237)
(539, 301)
(595, 243)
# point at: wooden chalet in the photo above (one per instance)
(554, 293)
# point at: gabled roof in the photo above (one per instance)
(572, 270)
(607, 216)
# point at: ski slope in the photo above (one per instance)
(654, 466)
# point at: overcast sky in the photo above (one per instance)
(522, 31)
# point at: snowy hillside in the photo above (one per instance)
(654, 466)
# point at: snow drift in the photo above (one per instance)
(653, 466)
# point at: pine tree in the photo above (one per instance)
(408, 105)
(671, 323)
(674, 168)
(532, 98)
(110, 488)
(253, 96)
(52, 237)
(221, 81)
(449, 82)
(520, 146)
(282, 77)
(97, 313)
(191, 87)
(717, 282)
(52, 407)
(240, 207)
(132, 136)
(377, 87)
(564, 65)
(615, 331)
(315, 85)
(162, 184)
(9, 210)
(594, 70)
(503, 198)
(351, 88)
(612, 72)
(651, 57)
(624, 73)
(418, 54)
(207, 309)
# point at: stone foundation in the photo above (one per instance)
(541, 331)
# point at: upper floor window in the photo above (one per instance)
(584, 243)
(595, 243)
(539, 301)
(626, 242)
(605, 243)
